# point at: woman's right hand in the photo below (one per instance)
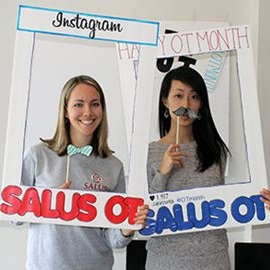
(65, 185)
(172, 157)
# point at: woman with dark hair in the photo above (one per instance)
(189, 154)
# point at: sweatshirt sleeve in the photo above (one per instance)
(28, 169)
(112, 236)
(115, 239)
(157, 182)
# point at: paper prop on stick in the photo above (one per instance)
(187, 111)
(184, 112)
(73, 150)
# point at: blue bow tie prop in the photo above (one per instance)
(73, 150)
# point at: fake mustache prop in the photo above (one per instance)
(184, 111)
(187, 111)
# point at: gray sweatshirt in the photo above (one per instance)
(186, 251)
(68, 247)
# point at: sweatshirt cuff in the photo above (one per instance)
(159, 182)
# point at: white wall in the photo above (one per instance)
(252, 12)
(262, 233)
(12, 241)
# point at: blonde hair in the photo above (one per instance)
(61, 138)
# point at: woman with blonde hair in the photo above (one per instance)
(82, 128)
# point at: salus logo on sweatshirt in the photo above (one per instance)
(95, 183)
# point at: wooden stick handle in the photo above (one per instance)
(177, 130)
(67, 169)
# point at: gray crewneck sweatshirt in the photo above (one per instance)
(68, 247)
(186, 251)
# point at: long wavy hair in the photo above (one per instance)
(210, 146)
(61, 138)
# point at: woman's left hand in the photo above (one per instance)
(140, 218)
(265, 197)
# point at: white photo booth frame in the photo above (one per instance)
(225, 206)
(30, 84)
(21, 203)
